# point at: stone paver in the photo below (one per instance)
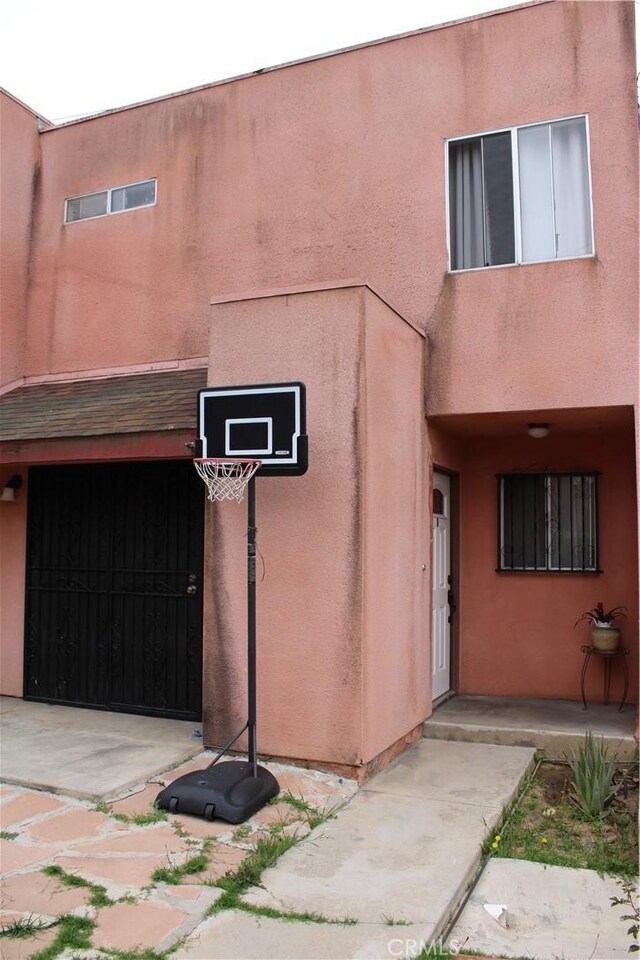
(201, 828)
(12, 949)
(157, 838)
(26, 806)
(131, 873)
(76, 823)
(139, 802)
(16, 856)
(127, 926)
(36, 893)
(222, 859)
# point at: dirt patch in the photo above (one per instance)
(547, 825)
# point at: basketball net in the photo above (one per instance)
(226, 479)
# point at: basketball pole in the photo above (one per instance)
(251, 623)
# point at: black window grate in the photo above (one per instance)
(548, 522)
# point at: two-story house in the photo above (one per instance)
(438, 234)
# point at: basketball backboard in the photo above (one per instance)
(264, 421)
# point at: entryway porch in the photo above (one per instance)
(555, 726)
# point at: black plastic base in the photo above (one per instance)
(227, 791)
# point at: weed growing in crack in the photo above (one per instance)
(629, 900)
(292, 916)
(242, 832)
(98, 896)
(7, 835)
(155, 815)
(266, 852)
(74, 933)
(175, 875)
(25, 927)
(298, 803)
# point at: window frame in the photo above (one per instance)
(594, 475)
(515, 170)
(109, 191)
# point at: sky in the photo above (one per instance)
(71, 58)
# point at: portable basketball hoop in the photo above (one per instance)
(225, 478)
(243, 431)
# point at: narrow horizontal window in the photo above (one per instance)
(136, 195)
(548, 522)
(114, 200)
(520, 195)
(83, 208)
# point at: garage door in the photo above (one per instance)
(114, 600)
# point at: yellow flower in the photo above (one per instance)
(543, 840)
(498, 837)
(549, 812)
(494, 845)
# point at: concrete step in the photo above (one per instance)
(553, 726)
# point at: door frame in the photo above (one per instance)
(454, 564)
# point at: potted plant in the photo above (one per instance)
(604, 633)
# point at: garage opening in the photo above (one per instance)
(114, 587)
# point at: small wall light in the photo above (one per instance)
(11, 487)
(538, 430)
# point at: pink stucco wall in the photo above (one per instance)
(19, 190)
(394, 556)
(334, 169)
(342, 600)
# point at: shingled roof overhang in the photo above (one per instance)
(137, 404)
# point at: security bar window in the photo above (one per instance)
(520, 196)
(115, 200)
(548, 522)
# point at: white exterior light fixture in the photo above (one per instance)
(538, 430)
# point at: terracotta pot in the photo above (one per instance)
(605, 638)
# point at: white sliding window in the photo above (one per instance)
(520, 195)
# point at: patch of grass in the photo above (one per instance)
(155, 815)
(266, 852)
(101, 807)
(242, 832)
(74, 933)
(98, 896)
(148, 954)
(175, 875)
(390, 922)
(7, 835)
(298, 803)
(24, 927)
(546, 826)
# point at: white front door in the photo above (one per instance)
(440, 572)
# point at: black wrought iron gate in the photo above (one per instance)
(114, 572)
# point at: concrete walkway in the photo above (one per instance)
(390, 867)
(91, 754)
(551, 912)
(389, 872)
